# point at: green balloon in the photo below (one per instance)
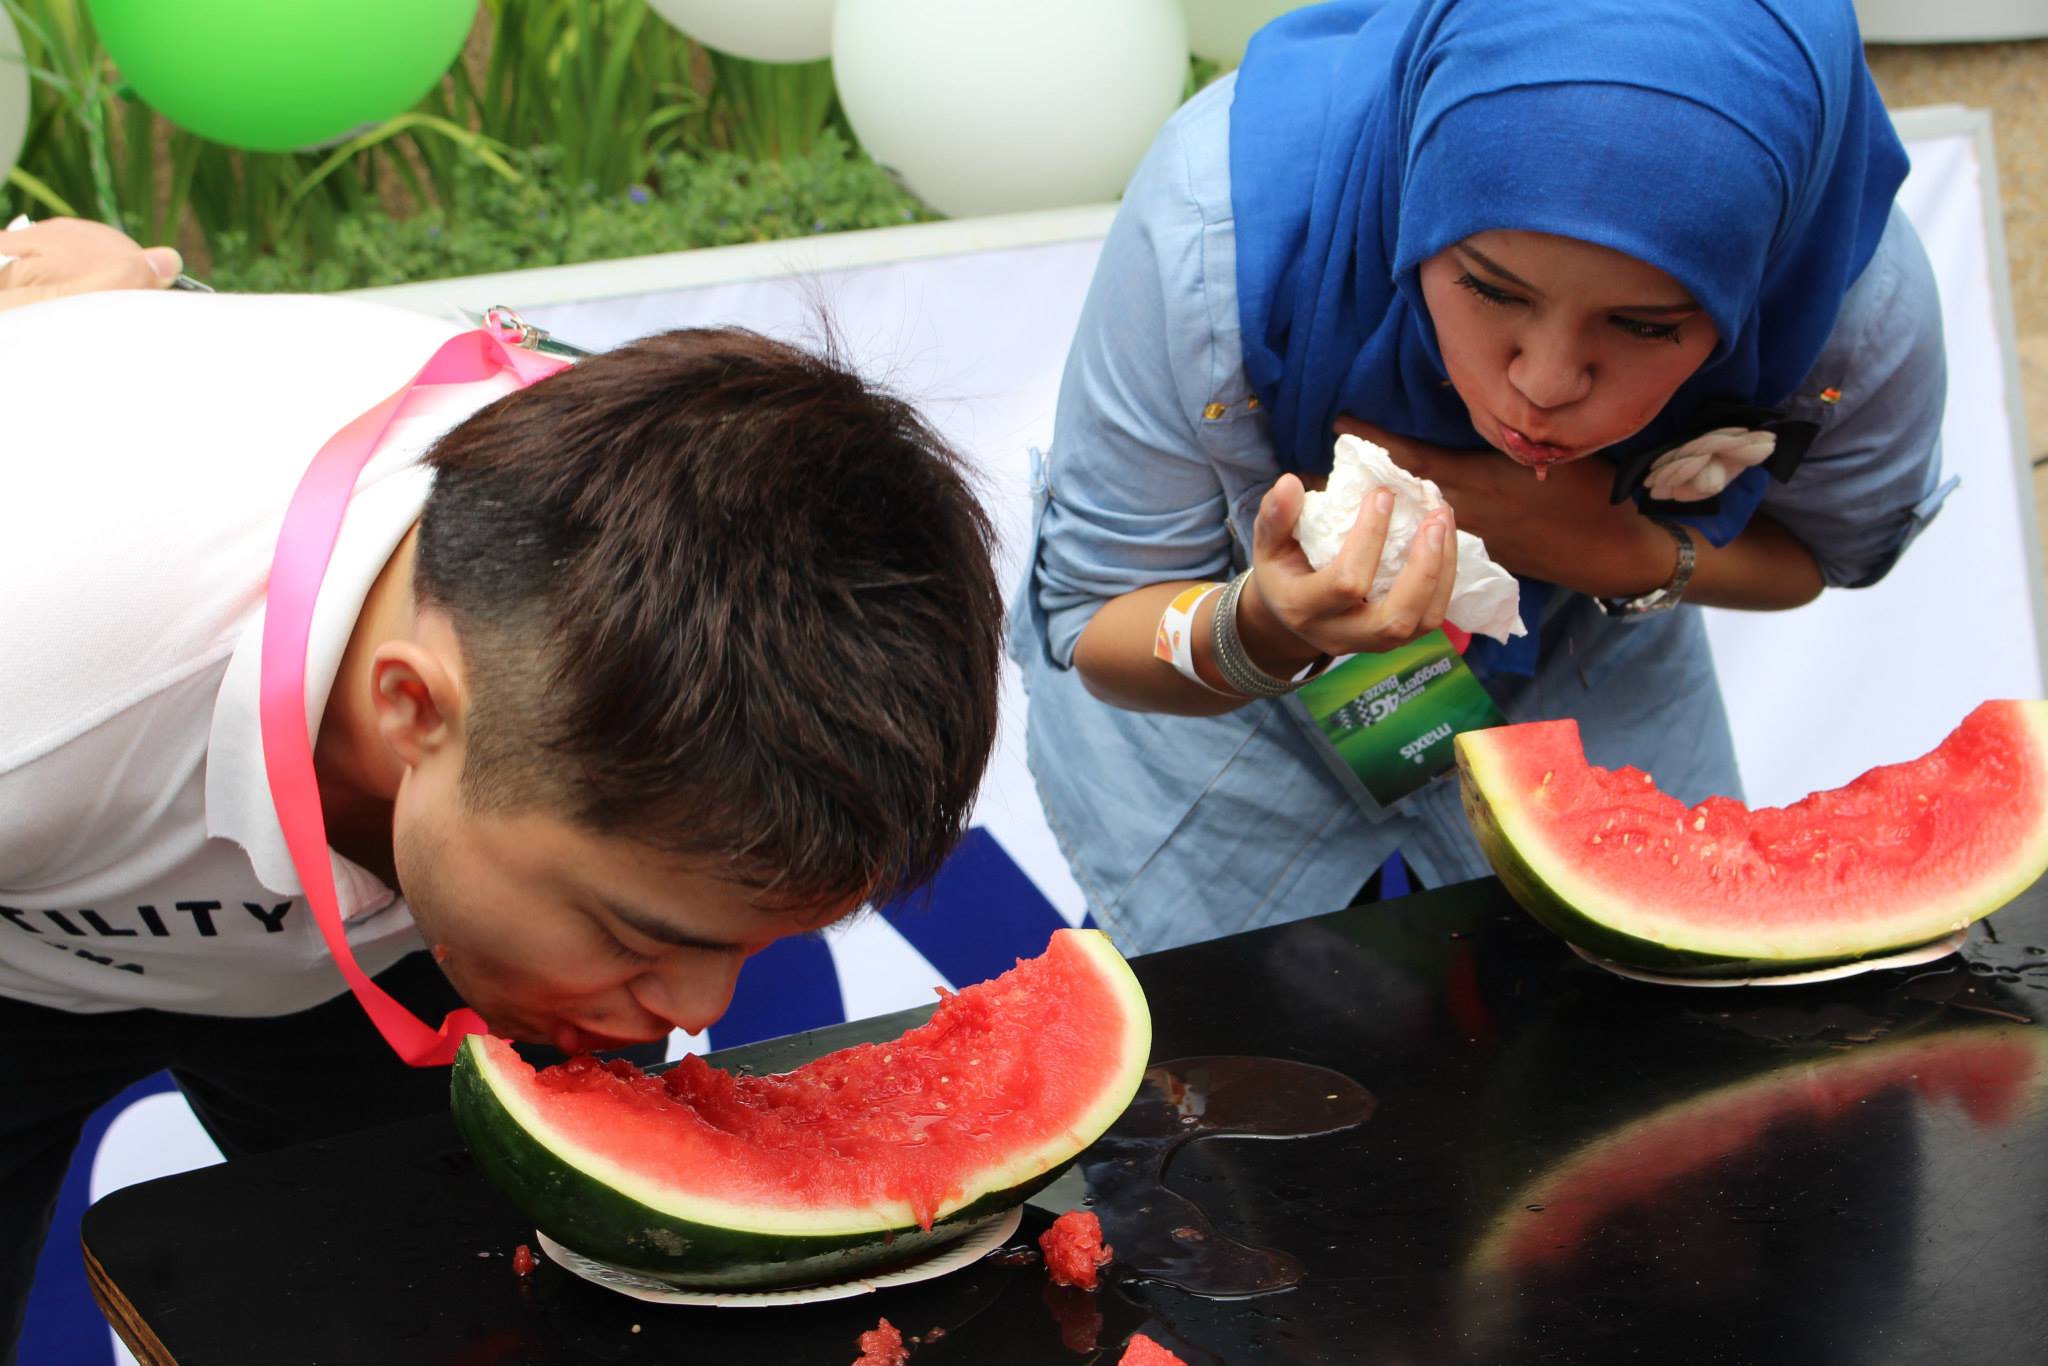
(278, 75)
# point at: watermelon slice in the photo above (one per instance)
(873, 1155)
(1902, 856)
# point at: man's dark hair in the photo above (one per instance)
(721, 596)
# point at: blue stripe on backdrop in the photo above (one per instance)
(788, 986)
(64, 1325)
(978, 916)
(1394, 880)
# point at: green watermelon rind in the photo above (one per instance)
(591, 1206)
(1599, 921)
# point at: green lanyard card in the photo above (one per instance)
(1387, 720)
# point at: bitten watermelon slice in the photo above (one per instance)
(1902, 856)
(873, 1155)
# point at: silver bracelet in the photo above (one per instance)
(1245, 677)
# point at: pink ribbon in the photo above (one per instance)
(305, 544)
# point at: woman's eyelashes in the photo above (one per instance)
(1491, 294)
(1635, 327)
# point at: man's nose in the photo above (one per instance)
(691, 991)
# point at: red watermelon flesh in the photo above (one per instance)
(1007, 1077)
(1900, 856)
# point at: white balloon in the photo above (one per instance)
(1219, 29)
(994, 106)
(13, 95)
(763, 30)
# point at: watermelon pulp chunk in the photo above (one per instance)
(1007, 1082)
(1902, 855)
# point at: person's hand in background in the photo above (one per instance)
(72, 256)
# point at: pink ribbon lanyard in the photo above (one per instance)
(305, 544)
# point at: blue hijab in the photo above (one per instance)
(1738, 145)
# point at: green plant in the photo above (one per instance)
(773, 109)
(603, 81)
(546, 217)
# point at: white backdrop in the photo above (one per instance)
(1881, 674)
(972, 320)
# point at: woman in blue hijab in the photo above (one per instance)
(1624, 277)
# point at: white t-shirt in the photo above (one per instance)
(149, 444)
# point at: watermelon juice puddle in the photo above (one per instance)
(1160, 1235)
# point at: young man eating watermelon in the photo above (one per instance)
(611, 679)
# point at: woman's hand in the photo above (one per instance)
(1293, 613)
(72, 256)
(1562, 528)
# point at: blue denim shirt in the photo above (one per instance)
(1181, 828)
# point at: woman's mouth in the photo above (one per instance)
(1538, 455)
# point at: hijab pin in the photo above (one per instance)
(1831, 396)
(1214, 412)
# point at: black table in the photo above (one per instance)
(1562, 1166)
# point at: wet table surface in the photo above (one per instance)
(1555, 1165)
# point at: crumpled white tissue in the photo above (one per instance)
(1705, 465)
(1486, 599)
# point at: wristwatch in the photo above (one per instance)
(1657, 599)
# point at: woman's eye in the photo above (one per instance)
(1635, 327)
(1486, 291)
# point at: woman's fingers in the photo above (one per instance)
(1350, 575)
(1447, 574)
(1403, 613)
(1279, 510)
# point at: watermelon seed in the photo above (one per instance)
(1546, 778)
(1699, 822)
(1596, 839)
(1533, 1208)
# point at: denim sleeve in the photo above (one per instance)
(1872, 479)
(1130, 498)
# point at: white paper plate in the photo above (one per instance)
(1925, 953)
(966, 1252)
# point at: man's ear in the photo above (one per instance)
(420, 700)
